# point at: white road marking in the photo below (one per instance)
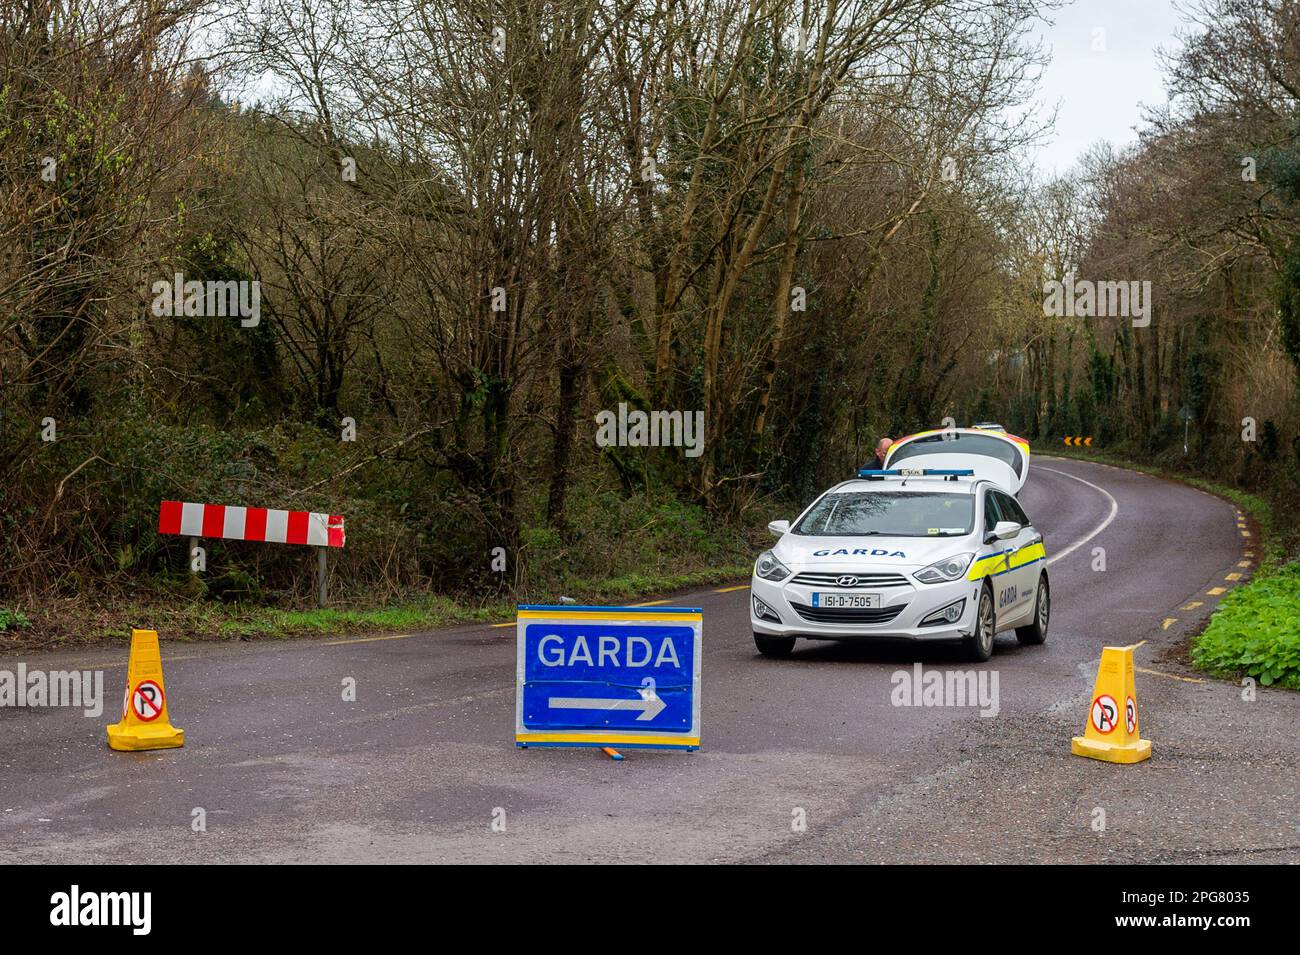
(1114, 509)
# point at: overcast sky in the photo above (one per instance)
(1099, 94)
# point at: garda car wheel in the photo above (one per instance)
(773, 646)
(1036, 632)
(979, 645)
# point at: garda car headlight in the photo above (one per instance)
(769, 568)
(950, 568)
(948, 614)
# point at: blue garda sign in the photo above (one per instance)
(608, 676)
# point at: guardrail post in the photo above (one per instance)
(321, 557)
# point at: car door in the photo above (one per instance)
(999, 569)
(1021, 576)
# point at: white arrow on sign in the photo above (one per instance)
(648, 703)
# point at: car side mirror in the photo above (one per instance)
(1002, 530)
(779, 527)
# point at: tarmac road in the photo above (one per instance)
(416, 768)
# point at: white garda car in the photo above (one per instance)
(926, 554)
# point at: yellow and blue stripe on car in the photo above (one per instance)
(996, 564)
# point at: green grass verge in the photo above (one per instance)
(79, 623)
(434, 612)
(425, 614)
(630, 586)
(1255, 630)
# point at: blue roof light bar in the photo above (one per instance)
(918, 472)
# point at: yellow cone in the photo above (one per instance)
(1112, 732)
(145, 724)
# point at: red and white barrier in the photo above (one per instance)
(250, 524)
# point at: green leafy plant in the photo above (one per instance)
(13, 620)
(1256, 631)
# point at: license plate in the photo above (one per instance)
(847, 601)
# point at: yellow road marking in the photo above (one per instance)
(1168, 621)
(648, 603)
(1245, 533)
(396, 636)
(727, 590)
(1169, 676)
(1193, 605)
(1215, 591)
(1243, 563)
(1233, 577)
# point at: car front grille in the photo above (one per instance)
(864, 580)
(843, 615)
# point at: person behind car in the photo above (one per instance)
(882, 451)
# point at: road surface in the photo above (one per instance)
(421, 764)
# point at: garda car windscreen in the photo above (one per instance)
(889, 514)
